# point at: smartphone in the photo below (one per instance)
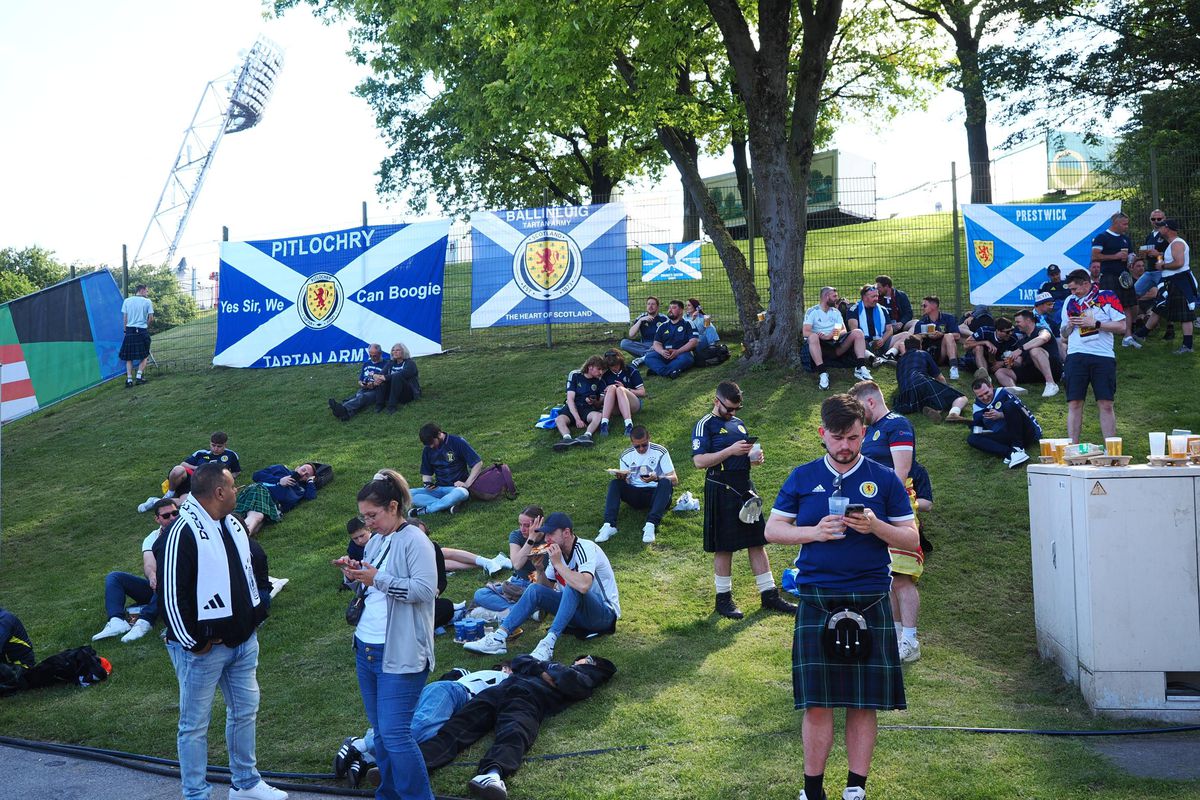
(855, 508)
(751, 439)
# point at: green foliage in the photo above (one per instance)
(36, 264)
(171, 305)
(14, 285)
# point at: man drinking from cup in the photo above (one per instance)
(844, 650)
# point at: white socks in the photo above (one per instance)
(724, 583)
(764, 582)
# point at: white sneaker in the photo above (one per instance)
(493, 565)
(493, 644)
(146, 506)
(544, 650)
(139, 629)
(259, 791)
(909, 651)
(823, 381)
(115, 627)
(1018, 457)
(1130, 341)
(954, 373)
(648, 533)
(486, 614)
(488, 786)
(503, 560)
(1016, 389)
(862, 373)
(854, 793)
(606, 532)
(1050, 390)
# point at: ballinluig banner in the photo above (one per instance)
(323, 298)
(1009, 247)
(561, 264)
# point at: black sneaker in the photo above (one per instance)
(726, 607)
(140, 381)
(563, 444)
(357, 770)
(347, 754)
(339, 410)
(771, 601)
(1169, 334)
(129, 383)
(584, 440)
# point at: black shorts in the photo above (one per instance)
(1099, 371)
(1111, 281)
(1028, 371)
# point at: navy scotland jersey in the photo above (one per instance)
(1110, 244)
(859, 562)
(915, 362)
(370, 370)
(629, 377)
(946, 323)
(449, 463)
(228, 458)
(648, 328)
(1001, 401)
(675, 334)
(713, 434)
(893, 432)
(987, 333)
(584, 388)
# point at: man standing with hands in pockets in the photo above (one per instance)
(844, 651)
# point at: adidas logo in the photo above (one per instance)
(818, 488)
(215, 603)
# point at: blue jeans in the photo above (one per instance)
(439, 498)
(569, 607)
(660, 366)
(234, 670)
(1148, 279)
(389, 700)
(492, 600)
(635, 347)
(439, 700)
(656, 498)
(119, 584)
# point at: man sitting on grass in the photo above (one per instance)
(448, 468)
(372, 387)
(674, 343)
(827, 338)
(920, 386)
(142, 590)
(585, 387)
(1033, 357)
(1003, 425)
(179, 479)
(276, 490)
(644, 479)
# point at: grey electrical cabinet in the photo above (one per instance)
(1116, 584)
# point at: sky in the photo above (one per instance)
(97, 96)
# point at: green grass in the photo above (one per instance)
(74, 473)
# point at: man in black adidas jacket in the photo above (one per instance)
(212, 606)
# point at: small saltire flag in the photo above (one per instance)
(323, 298)
(1009, 247)
(558, 264)
(671, 262)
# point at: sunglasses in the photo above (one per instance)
(729, 409)
(168, 515)
(641, 446)
(1158, 221)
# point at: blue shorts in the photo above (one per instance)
(1082, 369)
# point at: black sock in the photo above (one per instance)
(814, 786)
(1142, 332)
(1187, 341)
(860, 362)
(853, 779)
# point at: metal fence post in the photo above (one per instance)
(1154, 178)
(958, 281)
(364, 213)
(125, 270)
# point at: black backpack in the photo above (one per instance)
(79, 666)
(712, 355)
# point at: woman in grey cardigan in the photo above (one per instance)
(393, 641)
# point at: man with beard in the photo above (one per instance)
(674, 342)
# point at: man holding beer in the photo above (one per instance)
(1090, 318)
(825, 332)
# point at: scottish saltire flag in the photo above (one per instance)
(558, 264)
(1009, 247)
(323, 298)
(671, 262)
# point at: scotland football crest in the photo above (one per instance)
(320, 300)
(559, 264)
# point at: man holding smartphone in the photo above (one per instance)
(1090, 319)
(844, 573)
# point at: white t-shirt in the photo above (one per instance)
(482, 679)
(588, 557)
(824, 321)
(148, 542)
(654, 463)
(372, 625)
(137, 311)
(1103, 306)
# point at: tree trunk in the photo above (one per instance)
(741, 173)
(975, 105)
(691, 210)
(601, 186)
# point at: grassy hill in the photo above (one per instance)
(711, 698)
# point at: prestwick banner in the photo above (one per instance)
(561, 264)
(1009, 247)
(323, 298)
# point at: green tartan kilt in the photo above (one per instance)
(255, 497)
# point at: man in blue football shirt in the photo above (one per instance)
(448, 468)
(844, 579)
(1003, 425)
(674, 342)
(584, 406)
(1112, 249)
(372, 387)
(641, 332)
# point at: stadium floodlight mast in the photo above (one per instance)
(236, 106)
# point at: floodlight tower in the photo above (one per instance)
(237, 106)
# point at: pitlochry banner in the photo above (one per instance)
(1009, 247)
(561, 264)
(323, 298)
(677, 261)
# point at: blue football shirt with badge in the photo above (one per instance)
(449, 463)
(629, 377)
(370, 370)
(1110, 244)
(675, 335)
(228, 458)
(647, 328)
(584, 388)
(859, 562)
(1002, 401)
(713, 434)
(892, 432)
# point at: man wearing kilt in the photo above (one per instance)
(721, 447)
(920, 386)
(1179, 286)
(844, 651)
(137, 312)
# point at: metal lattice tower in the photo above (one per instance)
(234, 107)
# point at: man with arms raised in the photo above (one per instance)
(843, 580)
(213, 606)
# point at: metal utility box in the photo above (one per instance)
(1116, 584)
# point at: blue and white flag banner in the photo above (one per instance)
(323, 298)
(561, 264)
(676, 261)
(1009, 247)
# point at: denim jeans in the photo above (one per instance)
(656, 498)
(439, 700)
(389, 700)
(1148, 279)
(439, 498)
(234, 670)
(660, 366)
(635, 347)
(119, 584)
(569, 607)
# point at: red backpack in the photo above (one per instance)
(493, 482)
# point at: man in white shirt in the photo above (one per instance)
(1090, 318)
(644, 479)
(827, 337)
(137, 312)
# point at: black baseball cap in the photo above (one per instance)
(1053, 269)
(1172, 224)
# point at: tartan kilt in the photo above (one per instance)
(924, 391)
(255, 497)
(724, 494)
(819, 681)
(135, 346)
(1181, 290)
